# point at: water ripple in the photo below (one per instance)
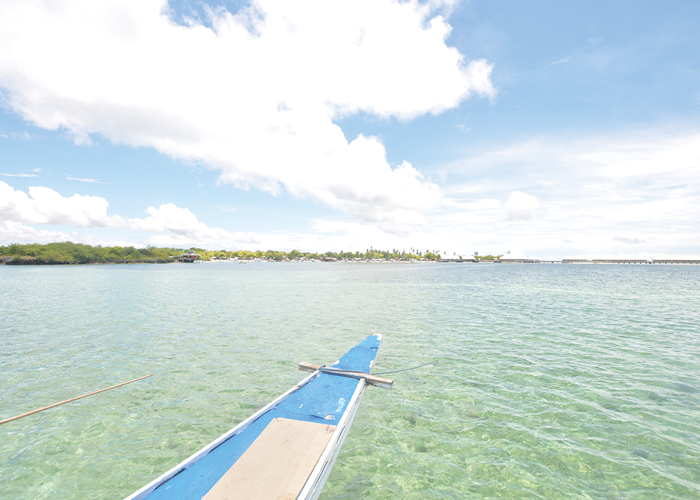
(552, 382)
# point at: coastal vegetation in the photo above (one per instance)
(77, 253)
(369, 254)
(487, 257)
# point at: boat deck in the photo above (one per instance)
(278, 463)
(307, 413)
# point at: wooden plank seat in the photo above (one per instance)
(277, 464)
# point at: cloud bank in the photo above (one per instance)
(174, 226)
(16, 232)
(629, 241)
(603, 196)
(184, 229)
(43, 205)
(254, 96)
(522, 206)
(636, 189)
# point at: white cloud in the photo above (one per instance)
(16, 232)
(43, 205)
(472, 226)
(184, 228)
(19, 175)
(601, 195)
(560, 61)
(167, 225)
(635, 159)
(594, 189)
(24, 136)
(92, 181)
(255, 97)
(227, 208)
(629, 241)
(522, 206)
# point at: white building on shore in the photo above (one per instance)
(517, 256)
(457, 257)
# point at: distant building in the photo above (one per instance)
(518, 257)
(188, 257)
(457, 257)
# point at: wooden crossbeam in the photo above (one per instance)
(386, 383)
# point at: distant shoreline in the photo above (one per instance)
(77, 253)
(27, 262)
(68, 253)
(33, 262)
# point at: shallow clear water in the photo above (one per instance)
(553, 381)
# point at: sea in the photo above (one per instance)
(552, 380)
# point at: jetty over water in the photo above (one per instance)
(676, 261)
(630, 261)
(579, 261)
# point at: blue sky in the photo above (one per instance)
(554, 128)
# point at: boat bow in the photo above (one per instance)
(284, 451)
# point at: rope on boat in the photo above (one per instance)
(358, 375)
(340, 371)
(407, 369)
(329, 370)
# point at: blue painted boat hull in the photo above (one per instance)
(321, 397)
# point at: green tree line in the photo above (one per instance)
(275, 255)
(487, 257)
(77, 253)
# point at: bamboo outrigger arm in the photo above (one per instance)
(386, 383)
(69, 400)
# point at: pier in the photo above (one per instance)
(631, 261)
(579, 261)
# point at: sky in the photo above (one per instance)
(558, 129)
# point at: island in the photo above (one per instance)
(77, 253)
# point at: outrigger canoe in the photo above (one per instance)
(287, 449)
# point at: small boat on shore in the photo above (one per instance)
(287, 449)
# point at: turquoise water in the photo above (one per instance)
(553, 381)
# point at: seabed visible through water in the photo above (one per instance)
(559, 381)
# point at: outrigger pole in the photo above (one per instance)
(69, 400)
